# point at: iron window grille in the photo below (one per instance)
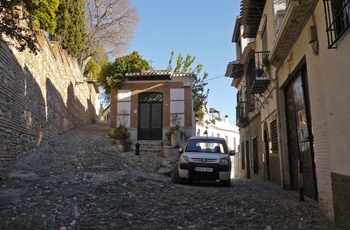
(255, 155)
(337, 13)
(242, 155)
(274, 144)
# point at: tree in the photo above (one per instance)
(110, 23)
(113, 74)
(93, 67)
(43, 14)
(16, 24)
(70, 31)
(92, 70)
(200, 96)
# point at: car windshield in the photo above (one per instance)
(206, 146)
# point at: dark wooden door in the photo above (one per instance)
(248, 158)
(267, 155)
(150, 111)
(300, 135)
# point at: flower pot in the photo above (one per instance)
(126, 147)
(259, 72)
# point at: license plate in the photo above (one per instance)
(203, 169)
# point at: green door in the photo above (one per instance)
(150, 119)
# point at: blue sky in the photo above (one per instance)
(201, 28)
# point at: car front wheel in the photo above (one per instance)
(175, 178)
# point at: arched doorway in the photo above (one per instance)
(150, 116)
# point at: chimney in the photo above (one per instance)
(226, 119)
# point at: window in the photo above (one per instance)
(337, 14)
(274, 144)
(242, 156)
(263, 36)
(255, 155)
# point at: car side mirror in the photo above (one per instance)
(232, 152)
(181, 150)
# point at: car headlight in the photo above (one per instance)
(183, 159)
(225, 160)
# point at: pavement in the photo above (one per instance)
(81, 180)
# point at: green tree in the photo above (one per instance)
(99, 58)
(70, 31)
(200, 95)
(12, 19)
(113, 74)
(92, 70)
(43, 14)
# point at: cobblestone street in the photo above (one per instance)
(80, 180)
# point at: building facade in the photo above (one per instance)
(151, 102)
(302, 47)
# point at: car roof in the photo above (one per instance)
(205, 137)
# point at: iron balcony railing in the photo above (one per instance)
(258, 81)
(242, 119)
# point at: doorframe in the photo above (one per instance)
(301, 68)
(150, 117)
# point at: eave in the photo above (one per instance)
(251, 13)
(237, 30)
(297, 14)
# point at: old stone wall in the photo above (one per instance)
(40, 96)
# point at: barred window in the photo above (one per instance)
(274, 144)
(255, 155)
(337, 14)
(242, 155)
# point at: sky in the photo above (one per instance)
(201, 28)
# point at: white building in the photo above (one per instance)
(212, 125)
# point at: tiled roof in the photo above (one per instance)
(184, 75)
(151, 72)
(157, 75)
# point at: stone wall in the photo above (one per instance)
(40, 96)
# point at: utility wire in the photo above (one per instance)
(213, 78)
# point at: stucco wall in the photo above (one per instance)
(40, 96)
(328, 82)
(136, 88)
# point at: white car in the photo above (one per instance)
(204, 158)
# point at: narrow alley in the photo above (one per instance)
(80, 180)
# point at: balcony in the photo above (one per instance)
(251, 13)
(242, 119)
(295, 19)
(234, 70)
(259, 80)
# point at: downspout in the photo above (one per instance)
(279, 131)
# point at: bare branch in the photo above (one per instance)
(110, 23)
